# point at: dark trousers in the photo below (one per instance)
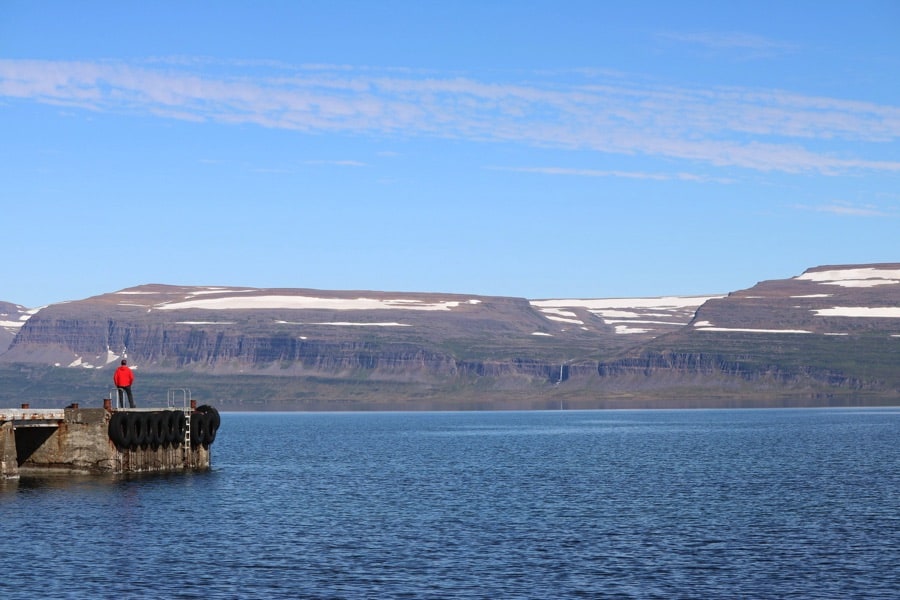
(121, 402)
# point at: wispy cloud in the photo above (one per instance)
(762, 130)
(730, 45)
(746, 44)
(335, 163)
(845, 209)
(654, 176)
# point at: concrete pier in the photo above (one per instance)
(80, 440)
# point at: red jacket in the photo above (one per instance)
(123, 377)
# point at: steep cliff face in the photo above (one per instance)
(12, 317)
(831, 330)
(295, 332)
(836, 300)
(677, 367)
(836, 326)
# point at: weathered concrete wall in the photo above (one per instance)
(81, 443)
(9, 467)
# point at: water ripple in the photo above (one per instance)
(624, 504)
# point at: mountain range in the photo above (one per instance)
(829, 336)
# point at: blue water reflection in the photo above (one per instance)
(639, 504)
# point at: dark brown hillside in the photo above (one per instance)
(832, 330)
(828, 336)
(12, 317)
(294, 332)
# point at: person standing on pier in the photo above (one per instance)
(123, 378)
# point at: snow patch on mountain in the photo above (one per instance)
(652, 315)
(270, 302)
(880, 312)
(856, 277)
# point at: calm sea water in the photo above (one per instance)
(618, 504)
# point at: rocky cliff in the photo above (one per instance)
(291, 331)
(12, 317)
(830, 332)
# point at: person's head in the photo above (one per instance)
(124, 362)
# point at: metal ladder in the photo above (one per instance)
(171, 398)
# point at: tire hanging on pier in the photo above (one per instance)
(210, 430)
(138, 429)
(157, 430)
(180, 427)
(174, 436)
(120, 430)
(162, 429)
(211, 410)
(150, 427)
(213, 422)
(198, 429)
(134, 430)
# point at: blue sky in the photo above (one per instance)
(523, 148)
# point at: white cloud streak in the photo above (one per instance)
(762, 130)
(653, 176)
(753, 46)
(849, 210)
(335, 163)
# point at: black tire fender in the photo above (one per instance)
(129, 429)
(198, 429)
(158, 428)
(171, 427)
(213, 420)
(118, 430)
(208, 432)
(211, 410)
(180, 427)
(211, 432)
(151, 439)
(162, 428)
(138, 428)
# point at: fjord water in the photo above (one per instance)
(624, 504)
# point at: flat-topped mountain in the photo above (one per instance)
(825, 336)
(830, 333)
(824, 300)
(12, 317)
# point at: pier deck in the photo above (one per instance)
(102, 440)
(44, 415)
